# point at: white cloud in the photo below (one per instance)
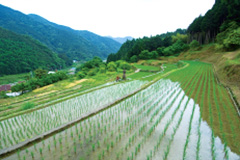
(117, 18)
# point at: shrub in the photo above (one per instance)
(80, 75)
(3, 94)
(125, 65)
(112, 67)
(194, 44)
(27, 105)
(144, 54)
(134, 59)
(102, 69)
(93, 72)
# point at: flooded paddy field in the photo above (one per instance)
(175, 118)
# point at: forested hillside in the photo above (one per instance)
(223, 18)
(20, 54)
(79, 45)
(166, 44)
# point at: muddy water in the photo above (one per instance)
(99, 135)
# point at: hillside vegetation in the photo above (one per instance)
(20, 54)
(79, 45)
(167, 44)
(224, 18)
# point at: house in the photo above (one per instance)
(5, 87)
(13, 94)
(51, 72)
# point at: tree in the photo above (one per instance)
(182, 37)
(229, 37)
(232, 41)
(144, 54)
(153, 55)
(176, 48)
(80, 75)
(40, 73)
(18, 87)
(134, 59)
(160, 51)
(112, 67)
(125, 65)
(194, 44)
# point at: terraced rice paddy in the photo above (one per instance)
(186, 115)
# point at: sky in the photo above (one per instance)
(116, 18)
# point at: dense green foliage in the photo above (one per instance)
(91, 68)
(42, 79)
(19, 54)
(147, 47)
(93, 63)
(205, 28)
(96, 65)
(79, 45)
(230, 37)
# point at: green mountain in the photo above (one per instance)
(79, 45)
(21, 53)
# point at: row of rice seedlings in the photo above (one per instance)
(120, 135)
(55, 142)
(189, 132)
(193, 84)
(228, 107)
(220, 118)
(108, 145)
(158, 120)
(58, 142)
(211, 118)
(152, 129)
(203, 84)
(131, 139)
(173, 134)
(156, 147)
(196, 80)
(189, 83)
(42, 119)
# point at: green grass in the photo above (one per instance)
(27, 105)
(147, 68)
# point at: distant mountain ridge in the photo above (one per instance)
(21, 54)
(122, 39)
(79, 45)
